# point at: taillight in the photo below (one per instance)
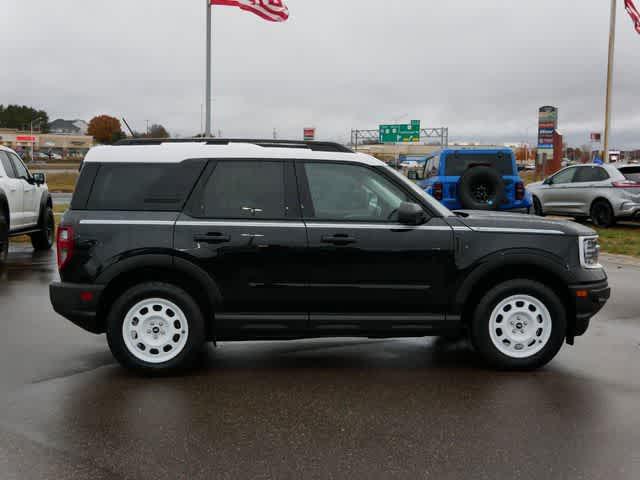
(65, 244)
(519, 191)
(626, 184)
(438, 193)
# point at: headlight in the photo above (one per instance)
(589, 252)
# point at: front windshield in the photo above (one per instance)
(433, 203)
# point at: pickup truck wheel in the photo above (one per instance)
(519, 325)
(4, 239)
(43, 240)
(602, 214)
(155, 328)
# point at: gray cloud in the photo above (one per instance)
(480, 68)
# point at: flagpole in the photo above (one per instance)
(207, 132)
(607, 119)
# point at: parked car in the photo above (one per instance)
(605, 193)
(476, 179)
(167, 245)
(25, 204)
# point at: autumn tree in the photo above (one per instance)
(105, 129)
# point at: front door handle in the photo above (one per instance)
(213, 237)
(338, 239)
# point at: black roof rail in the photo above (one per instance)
(314, 146)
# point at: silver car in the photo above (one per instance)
(605, 193)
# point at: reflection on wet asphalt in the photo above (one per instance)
(330, 408)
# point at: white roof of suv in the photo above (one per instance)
(174, 152)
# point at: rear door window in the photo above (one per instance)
(590, 174)
(144, 187)
(459, 162)
(244, 189)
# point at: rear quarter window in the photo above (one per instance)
(458, 163)
(142, 187)
(631, 173)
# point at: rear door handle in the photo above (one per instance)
(338, 239)
(213, 237)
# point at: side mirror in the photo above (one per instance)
(548, 181)
(39, 178)
(411, 214)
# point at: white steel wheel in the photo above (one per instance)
(520, 326)
(155, 330)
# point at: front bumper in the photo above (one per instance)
(589, 300)
(78, 303)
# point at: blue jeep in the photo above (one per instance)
(475, 179)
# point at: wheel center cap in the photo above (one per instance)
(519, 325)
(156, 330)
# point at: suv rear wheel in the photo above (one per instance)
(43, 240)
(155, 327)
(519, 325)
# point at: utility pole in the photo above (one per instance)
(608, 101)
(207, 132)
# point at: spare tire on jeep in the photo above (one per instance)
(481, 188)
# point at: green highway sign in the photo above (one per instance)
(402, 133)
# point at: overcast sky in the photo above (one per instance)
(480, 67)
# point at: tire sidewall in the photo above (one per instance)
(480, 324)
(466, 197)
(183, 300)
(4, 239)
(594, 217)
(537, 207)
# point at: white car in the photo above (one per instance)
(604, 193)
(25, 204)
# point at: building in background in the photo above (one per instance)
(68, 127)
(65, 145)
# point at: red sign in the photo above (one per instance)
(25, 138)
(309, 134)
(595, 137)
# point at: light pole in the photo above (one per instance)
(33, 141)
(607, 114)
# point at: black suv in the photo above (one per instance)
(167, 245)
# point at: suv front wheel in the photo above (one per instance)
(519, 325)
(155, 327)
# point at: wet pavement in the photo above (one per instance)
(331, 408)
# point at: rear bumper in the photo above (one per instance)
(78, 303)
(589, 300)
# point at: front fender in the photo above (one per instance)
(494, 264)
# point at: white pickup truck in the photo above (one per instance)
(25, 204)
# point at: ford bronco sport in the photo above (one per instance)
(168, 244)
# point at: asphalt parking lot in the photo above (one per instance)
(331, 408)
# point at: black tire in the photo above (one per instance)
(481, 188)
(537, 207)
(480, 328)
(4, 238)
(43, 240)
(602, 214)
(164, 291)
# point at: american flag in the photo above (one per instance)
(271, 10)
(633, 13)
